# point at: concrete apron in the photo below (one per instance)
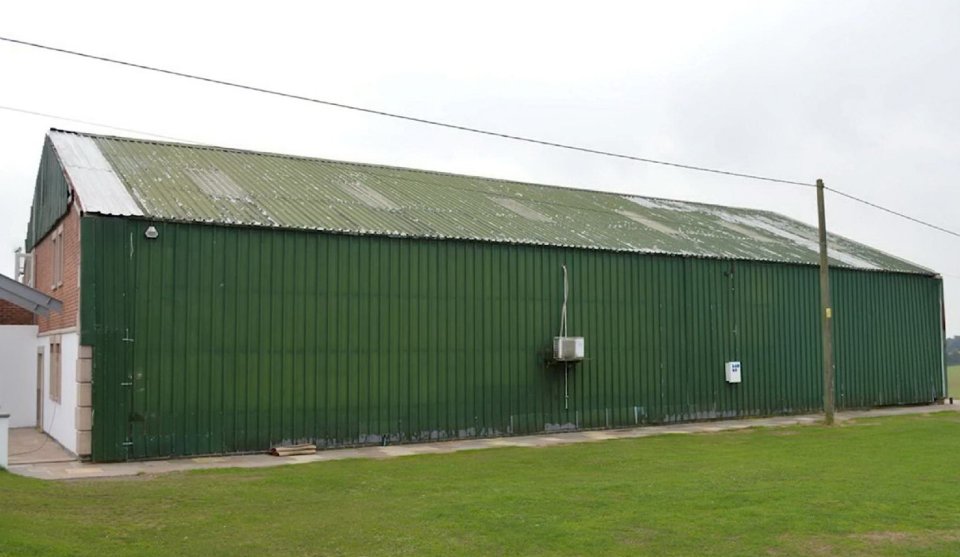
(30, 446)
(79, 470)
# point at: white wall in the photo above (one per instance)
(18, 374)
(59, 419)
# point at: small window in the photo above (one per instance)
(28, 271)
(24, 267)
(57, 266)
(55, 370)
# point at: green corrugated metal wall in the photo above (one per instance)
(888, 333)
(213, 339)
(51, 196)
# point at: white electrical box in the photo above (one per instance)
(568, 349)
(733, 372)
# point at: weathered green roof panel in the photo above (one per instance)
(190, 183)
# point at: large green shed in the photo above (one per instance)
(232, 300)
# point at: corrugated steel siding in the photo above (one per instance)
(889, 344)
(235, 339)
(190, 183)
(51, 196)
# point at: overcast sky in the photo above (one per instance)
(865, 94)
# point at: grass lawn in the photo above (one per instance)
(886, 486)
(953, 381)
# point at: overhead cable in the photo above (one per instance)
(891, 211)
(459, 127)
(398, 116)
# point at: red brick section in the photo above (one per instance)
(69, 291)
(14, 315)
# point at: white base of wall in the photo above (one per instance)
(59, 420)
(18, 374)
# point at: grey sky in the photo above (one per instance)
(861, 93)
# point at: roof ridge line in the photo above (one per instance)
(599, 232)
(211, 147)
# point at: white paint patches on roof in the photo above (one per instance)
(758, 227)
(216, 184)
(850, 259)
(649, 222)
(520, 209)
(355, 198)
(97, 185)
(804, 237)
(662, 204)
(743, 231)
(368, 196)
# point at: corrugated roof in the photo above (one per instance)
(93, 178)
(178, 182)
(28, 298)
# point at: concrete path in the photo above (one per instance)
(80, 470)
(31, 446)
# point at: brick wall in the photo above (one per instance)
(69, 291)
(14, 315)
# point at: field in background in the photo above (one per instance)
(886, 486)
(953, 381)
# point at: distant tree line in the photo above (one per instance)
(953, 351)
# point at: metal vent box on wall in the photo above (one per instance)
(568, 349)
(733, 372)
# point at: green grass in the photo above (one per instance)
(887, 486)
(953, 381)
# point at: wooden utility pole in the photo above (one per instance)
(826, 312)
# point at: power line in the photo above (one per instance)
(398, 116)
(97, 124)
(892, 212)
(445, 125)
(141, 132)
(202, 144)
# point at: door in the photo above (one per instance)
(40, 388)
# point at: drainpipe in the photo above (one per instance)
(4, 439)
